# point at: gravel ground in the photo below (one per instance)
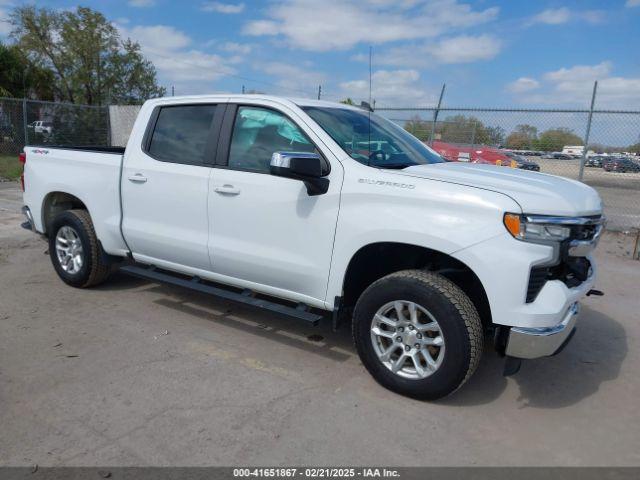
(133, 373)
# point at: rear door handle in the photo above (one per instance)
(227, 190)
(138, 178)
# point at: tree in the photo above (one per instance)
(470, 130)
(635, 148)
(348, 101)
(495, 135)
(555, 139)
(523, 137)
(89, 61)
(20, 78)
(419, 128)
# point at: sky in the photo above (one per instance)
(543, 53)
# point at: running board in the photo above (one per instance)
(301, 312)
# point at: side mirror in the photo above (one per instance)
(308, 167)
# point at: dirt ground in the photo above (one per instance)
(133, 373)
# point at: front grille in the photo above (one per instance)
(537, 279)
(583, 232)
(571, 270)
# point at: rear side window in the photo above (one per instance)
(181, 134)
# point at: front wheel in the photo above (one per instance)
(418, 334)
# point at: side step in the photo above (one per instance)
(150, 273)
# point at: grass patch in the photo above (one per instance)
(10, 167)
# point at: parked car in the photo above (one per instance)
(621, 164)
(595, 161)
(522, 162)
(481, 154)
(557, 156)
(40, 126)
(276, 201)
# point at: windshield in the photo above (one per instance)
(380, 144)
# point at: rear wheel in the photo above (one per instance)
(75, 251)
(418, 334)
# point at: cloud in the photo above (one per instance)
(219, 7)
(588, 73)
(168, 49)
(159, 37)
(559, 16)
(574, 85)
(632, 3)
(552, 16)
(465, 49)
(451, 50)
(294, 79)
(341, 24)
(523, 84)
(141, 3)
(237, 48)
(390, 87)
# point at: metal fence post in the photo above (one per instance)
(24, 121)
(586, 135)
(108, 113)
(435, 114)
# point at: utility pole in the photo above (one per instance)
(588, 132)
(243, 89)
(173, 91)
(319, 91)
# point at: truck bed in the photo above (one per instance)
(91, 174)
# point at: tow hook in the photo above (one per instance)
(597, 293)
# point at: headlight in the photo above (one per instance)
(529, 230)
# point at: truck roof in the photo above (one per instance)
(301, 102)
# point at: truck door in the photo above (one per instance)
(165, 184)
(266, 232)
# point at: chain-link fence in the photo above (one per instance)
(34, 122)
(547, 140)
(29, 122)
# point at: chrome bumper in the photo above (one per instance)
(542, 342)
(29, 224)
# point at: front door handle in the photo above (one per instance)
(227, 190)
(138, 178)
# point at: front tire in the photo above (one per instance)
(418, 334)
(75, 251)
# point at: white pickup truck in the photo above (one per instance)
(305, 207)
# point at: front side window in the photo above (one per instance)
(258, 133)
(181, 134)
(371, 139)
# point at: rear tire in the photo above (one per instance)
(418, 334)
(75, 251)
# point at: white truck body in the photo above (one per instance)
(265, 233)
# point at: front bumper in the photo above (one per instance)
(542, 342)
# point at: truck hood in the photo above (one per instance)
(536, 193)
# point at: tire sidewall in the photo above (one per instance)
(69, 219)
(457, 356)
